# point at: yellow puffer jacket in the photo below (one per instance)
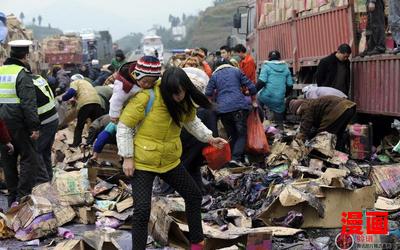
(157, 144)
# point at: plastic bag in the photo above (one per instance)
(215, 157)
(256, 139)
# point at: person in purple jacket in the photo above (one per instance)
(225, 86)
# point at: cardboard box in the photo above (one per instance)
(386, 180)
(281, 4)
(125, 204)
(360, 6)
(325, 7)
(86, 215)
(289, 13)
(300, 5)
(262, 21)
(280, 15)
(335, 201)
(73, 187)
(289, 4)
(73, 245)
(271, 17)
(168, 226)
(309, 4)
(268, 7)
(29, 208)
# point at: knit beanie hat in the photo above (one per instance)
(147, 66)
(294, 105)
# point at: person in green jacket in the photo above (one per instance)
(118, 60)
(155, 148)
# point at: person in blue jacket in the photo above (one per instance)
(226, 84)
(273, 81)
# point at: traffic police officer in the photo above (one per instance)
(18, 108)
(48, 122)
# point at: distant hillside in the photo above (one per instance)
(214, 25)
(210, 29)
(130, 42)
(41, 32)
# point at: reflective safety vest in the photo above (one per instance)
(43, 86)
(8, 82)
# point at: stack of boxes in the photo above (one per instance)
(62, 44)
(276, 11)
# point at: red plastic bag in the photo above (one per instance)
(256, 138)
(215, 157)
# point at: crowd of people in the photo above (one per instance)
(160, 117)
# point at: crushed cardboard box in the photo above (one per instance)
(63, 212)
(168, 226)
(335, 201)
(282, 153)
(85, 215)
(323, 143)
(73, 244)
(5, 232)
(73, 187)
(108, 239)
(386, 180)
(30, 208)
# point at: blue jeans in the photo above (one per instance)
(235, 124)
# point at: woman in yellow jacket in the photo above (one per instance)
(154, 148)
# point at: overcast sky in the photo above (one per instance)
(120, 17)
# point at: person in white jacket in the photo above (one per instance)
(315, 92)
(131, 78)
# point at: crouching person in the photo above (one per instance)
(329, 113)
(155, 149)
(88, 104)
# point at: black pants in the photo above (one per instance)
(376, 27)
(92, 111)
(45, 143)
(235, 124)
(179, 179)
(20, 185)
(279, 117)
(192, 158)
(339, 126)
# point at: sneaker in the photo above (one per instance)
(236, 164)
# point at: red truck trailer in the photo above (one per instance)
(65, 50)
(305, 37)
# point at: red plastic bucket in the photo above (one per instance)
(216, 158)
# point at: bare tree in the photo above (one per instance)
(34, 20)
(40, 20)
(22, 16)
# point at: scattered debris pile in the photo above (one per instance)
(300, 187)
